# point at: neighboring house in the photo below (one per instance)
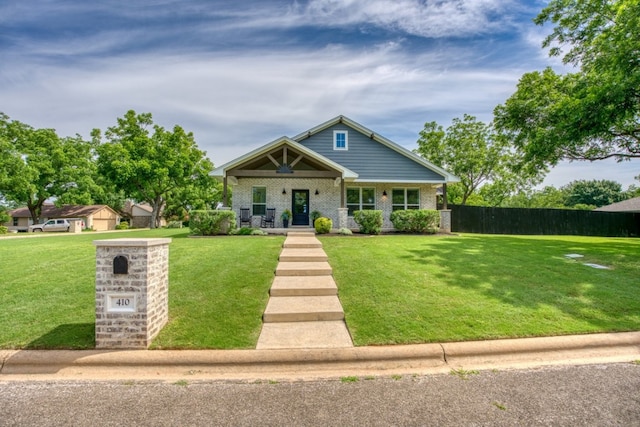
(335, 168)
(97, 217)
(630, 205)
(139, 215)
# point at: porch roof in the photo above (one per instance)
(266, 150)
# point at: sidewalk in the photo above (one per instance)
(309, 364)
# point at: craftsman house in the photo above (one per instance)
(336, 168)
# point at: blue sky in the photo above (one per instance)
(239, 74)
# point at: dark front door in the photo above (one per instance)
(300, 207)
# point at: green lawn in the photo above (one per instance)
(412, 289)
(218, 290)
(395, 289)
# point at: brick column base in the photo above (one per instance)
(343, 217)
(445, 221)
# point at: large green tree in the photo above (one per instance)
(148, 162)
(473, 151)
(593, 192)
(37, 165)
(590, 114)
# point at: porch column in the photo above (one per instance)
(224, 191)
(444, 196)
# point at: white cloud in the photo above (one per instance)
(426, 18)
(235, 99)
(237, 102)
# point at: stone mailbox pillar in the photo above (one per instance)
(132, 291)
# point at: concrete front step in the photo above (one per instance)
(303, 309)
(325, 334)
(303, 269)
(301, 233)
(290, 286)
(301, 242)
(303, 255)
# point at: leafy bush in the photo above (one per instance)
(174, 224)
(210, 223)
(416, 221)
(370, 221)
(124, 225)
(323, 225)
(243, 231)
(345, 231)
(3, 229)
(248, 231)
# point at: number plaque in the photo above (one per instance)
(121, 303)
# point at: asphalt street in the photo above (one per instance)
(602, 395)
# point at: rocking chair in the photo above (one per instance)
(269, 218)
(245, 216)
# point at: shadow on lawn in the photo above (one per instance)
(532, 273)
(72, 336)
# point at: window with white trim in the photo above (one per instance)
(340, 140)
(405, 198)
(259, 201)
(360, 199)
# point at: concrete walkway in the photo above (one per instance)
(303, 309)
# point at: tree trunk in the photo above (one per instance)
(155, 212)
(35, 209)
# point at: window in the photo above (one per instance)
(340, 140)
(359, 199)
(405, 198)
(259, 206)
(15, 222)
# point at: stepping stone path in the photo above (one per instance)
(303, 309)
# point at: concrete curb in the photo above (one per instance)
(314, 363)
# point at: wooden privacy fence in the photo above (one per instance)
(478, 219)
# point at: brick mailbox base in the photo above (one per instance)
(132, 291)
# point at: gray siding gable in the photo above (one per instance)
(370, 159)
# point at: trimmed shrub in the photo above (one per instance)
(416, 220)
(345, 231)
(3, 229)
(248, 231)
(174, 224)
(124, 225)
(211, 223)
(369, 221)
(323, 225)
(244, 231)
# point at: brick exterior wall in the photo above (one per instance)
(327, 202)
(147, 282)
